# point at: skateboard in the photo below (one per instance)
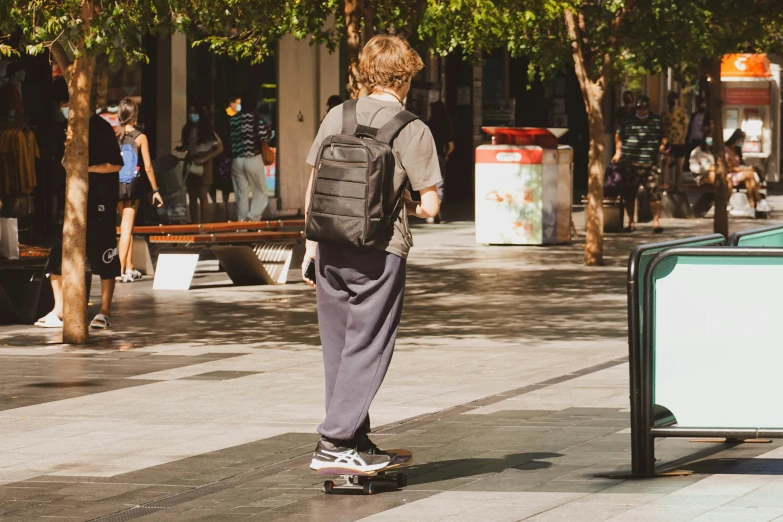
(365, 482)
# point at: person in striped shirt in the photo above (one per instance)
(247, 131)
(638, 142)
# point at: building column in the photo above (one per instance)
(478, 104)
(171, 86)
(298, 117)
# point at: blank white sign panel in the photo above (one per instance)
(719, 341)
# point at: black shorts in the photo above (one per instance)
(132, 191)
(645, 176)
(102, 254)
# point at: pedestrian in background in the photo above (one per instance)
(135, 151)
(104, 163)
(626, 110)
(333, 101)
(443, 134)
(202, 145)
(738, 174)
(699, 122)
(638, 143)
(247, 131)
(675, 124)
(702, 161)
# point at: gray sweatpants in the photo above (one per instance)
(359, 294)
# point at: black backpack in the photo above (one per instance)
(353, 200)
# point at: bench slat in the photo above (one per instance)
(237, 237)
(216, 227)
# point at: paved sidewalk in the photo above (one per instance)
(509, 384)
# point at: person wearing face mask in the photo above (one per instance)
(737, 173)
(638, 143)
(248, 130)
(702, 162)
(202, 145)
(700, 120)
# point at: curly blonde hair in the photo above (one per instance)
(388, 61)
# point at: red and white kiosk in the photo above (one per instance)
(751, 95)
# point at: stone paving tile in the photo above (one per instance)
(740, 514)
(160, 411)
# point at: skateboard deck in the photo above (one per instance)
(356, 480)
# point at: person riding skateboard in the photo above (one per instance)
(359, 290)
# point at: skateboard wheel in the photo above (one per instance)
(368, 488)
(402, 480)
(328, 487)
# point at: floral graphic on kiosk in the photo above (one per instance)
(523, 187)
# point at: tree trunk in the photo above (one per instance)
(593, 94)
(594, 229)
(721, 221)
(354, 13)
(76, 159)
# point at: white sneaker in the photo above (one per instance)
(764, 206)
(752, 213)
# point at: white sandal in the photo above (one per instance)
(50, 320)
(101, 322)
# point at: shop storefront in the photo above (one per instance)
(751, 95)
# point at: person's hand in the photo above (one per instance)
(616, 157)
(157, 200)
(310, 250)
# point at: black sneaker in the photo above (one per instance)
(331, 455)
(365, 445)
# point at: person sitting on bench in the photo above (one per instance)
(737, 173)
(702, 162)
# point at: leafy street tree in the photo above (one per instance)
(589, 36)
(694, 36)
(605, 41)
(75, 32)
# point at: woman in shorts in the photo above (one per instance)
(737, 173)
(132, 191)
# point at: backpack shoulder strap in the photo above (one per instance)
(350, 123)
(389, 132)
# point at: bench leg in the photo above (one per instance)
(241, 265)
(175, 271)
(142, 261)
(276, 258)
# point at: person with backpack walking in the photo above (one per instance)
(358, 240)
(135, 152)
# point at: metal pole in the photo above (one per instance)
(633, 365)
(646, 459)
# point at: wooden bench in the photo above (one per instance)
(249, 258)
(145, 254)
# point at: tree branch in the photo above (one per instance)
(61, 57)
